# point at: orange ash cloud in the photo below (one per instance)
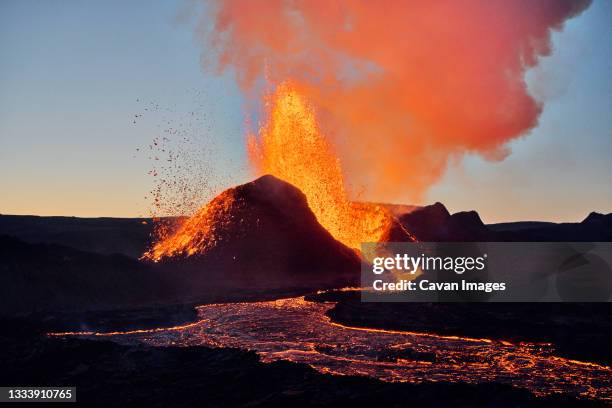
(401, 87)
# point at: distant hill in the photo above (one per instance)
(128, 236)
(268, 239)
(264, 235)
(519, 225)
(41, 277)
(434, 223)
(132, 236)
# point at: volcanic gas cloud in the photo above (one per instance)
(381, 96)
(401, 87)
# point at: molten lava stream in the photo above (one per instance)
(298, 330)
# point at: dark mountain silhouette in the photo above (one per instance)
(268, 240)
(50, 277)
(265, 236)
(433, 223)
(429, 223)
(131, 236)
(594, 228)
(595, 217)
(128, 236)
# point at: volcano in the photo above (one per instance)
(261, 234)
(433, 223)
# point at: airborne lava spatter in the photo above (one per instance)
(198, 233)
(292, 147)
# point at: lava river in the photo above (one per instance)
(298, 330)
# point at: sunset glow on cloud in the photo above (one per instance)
(403, 88)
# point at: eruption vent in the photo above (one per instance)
(292, 147)
(257, 235)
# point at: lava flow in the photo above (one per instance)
(298, 330)
(291, 147)
(198, 233)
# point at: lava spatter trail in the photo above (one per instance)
(298, 330)
(291, 147)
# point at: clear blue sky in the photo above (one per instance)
(74, 73)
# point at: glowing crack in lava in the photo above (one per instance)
(292, 148)
(298, 330)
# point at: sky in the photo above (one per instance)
(73, 75)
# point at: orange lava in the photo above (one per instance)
(198, 233)
(127, 332)
(301, 331)
(291, 147)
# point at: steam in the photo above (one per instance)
(402, 87)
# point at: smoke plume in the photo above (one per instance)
(401, 87)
